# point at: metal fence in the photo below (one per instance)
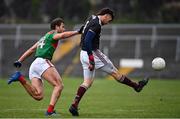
(15, 36)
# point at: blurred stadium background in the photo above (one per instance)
(142, 30)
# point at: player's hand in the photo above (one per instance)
(81, 29)
(91, 62)
(17, 64)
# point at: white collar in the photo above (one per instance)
(100, 22)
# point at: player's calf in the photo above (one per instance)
(124, 80)
(136, 86)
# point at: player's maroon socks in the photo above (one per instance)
(22, 79)
(123, 79)
(81, 90)
(50, 108)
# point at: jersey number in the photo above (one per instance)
(41, 42)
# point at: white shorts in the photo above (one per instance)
(102, 62)
(38, 67)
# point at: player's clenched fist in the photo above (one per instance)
(91, 63)
(17, 64)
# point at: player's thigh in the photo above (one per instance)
(37, 84)
(52, 76)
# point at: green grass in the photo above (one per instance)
(106, 98)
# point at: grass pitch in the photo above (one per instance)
(105, 99)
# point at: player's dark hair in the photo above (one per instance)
(56, 22)
(106, 11)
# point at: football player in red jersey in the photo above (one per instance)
(42, 66)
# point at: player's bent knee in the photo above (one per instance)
(38, 98)
(87, 85)
(120, 78)
(116, 75)
(59, 87)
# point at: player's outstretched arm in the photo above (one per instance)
(68, 34)
(65, 34)
(28, 52)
